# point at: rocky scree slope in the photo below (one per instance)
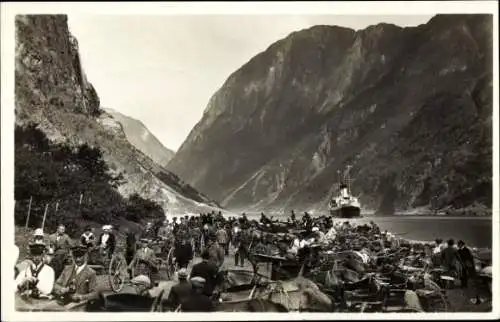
(140, 137)
(53, 91)
(409, 108)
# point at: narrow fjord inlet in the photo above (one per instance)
(240, 163)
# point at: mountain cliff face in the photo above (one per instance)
(53, 91)
(140, 137)
(409, 108)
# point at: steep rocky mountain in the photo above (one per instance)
(53, 91)
(409, 108)
(140, 137)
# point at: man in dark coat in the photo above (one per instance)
(467, 261)
(183, 253)
(78, 282)
(197, 301)
(242, 241)
(181, 291)
(206, 270)
(450, 259)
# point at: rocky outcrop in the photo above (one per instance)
(409, 108)
(140, 137)
(53, 91)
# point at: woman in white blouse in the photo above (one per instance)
(38, 278)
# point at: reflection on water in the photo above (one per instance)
(475, 231)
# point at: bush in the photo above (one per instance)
(77, 180)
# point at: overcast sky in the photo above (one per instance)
(163, 70)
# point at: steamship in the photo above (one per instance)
(344, 204)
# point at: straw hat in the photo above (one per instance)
(38, 232)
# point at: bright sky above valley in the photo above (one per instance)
(162, 70)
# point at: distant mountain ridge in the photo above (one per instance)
(409, 108)
(140, 137)
(52, 91)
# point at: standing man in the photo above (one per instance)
(222, 239)
(183, 253)
(242, 242)
(60, 241)
(163, 230)
(77, 281)
(467, 260)
(450, 259)
(216, 253)
(38, 278)
(60, 245)
(468, 272)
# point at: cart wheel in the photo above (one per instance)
(117, 272)
(170, 264)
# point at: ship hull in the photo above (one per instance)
(346, 212)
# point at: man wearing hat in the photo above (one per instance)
(107, 240)
(60, 241)
(181, 291)
(183, 252)
(144, 254)
(217, 254)
(77, 281)
(197, 301)
(163, 231)
(223, 239)
(38, 278)
(242, 240)
(149, 231)
(207, 270)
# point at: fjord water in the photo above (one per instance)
(474, 231)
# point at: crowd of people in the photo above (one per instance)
(56, 267)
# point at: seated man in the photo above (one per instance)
(181, 291)
(77, 281)
(38, 278)
(197, 301)
(144, 254)
(208, 271)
